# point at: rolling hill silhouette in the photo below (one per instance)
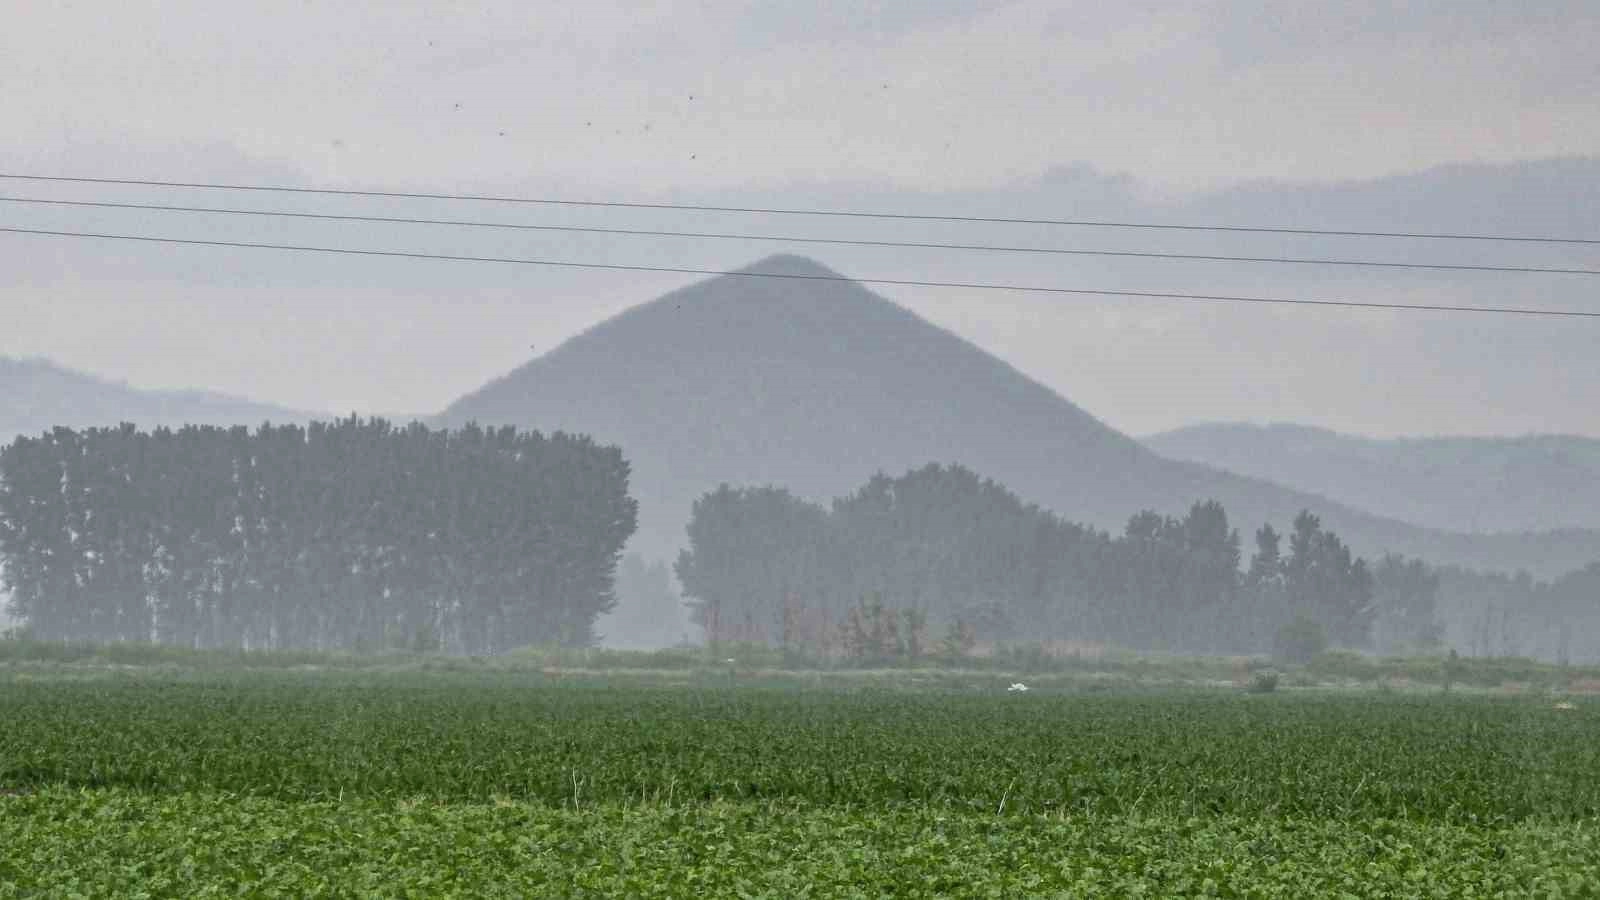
(37, 395)
(815, 384)
(1467, 483)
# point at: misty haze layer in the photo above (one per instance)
(817, 384)
(1455, 483)
(37, 395)
(376, 335)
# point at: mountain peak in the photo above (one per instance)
(813, 384)
(790, 264)
(818, 384)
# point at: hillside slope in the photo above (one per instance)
(37, 395)
(816, 384)
(1467, 483)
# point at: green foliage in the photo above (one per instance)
(959, 639)
(352, 534)
(475, 735)
(1263, 682)
(649, 613)
(871, 635)
(1300, 640)
(1027, 656)
(939, 539)
(1324, 581)
(551, 656)
(103, 843)
(24, 649)
(751, 550)
(762, 563)
(1452, 669)
(487, 783)
(425, 638)
(913, 634)
(1345, 665)
(1406, 595)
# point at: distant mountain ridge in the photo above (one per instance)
(1479, 484)
(37, 395)
(816, 384)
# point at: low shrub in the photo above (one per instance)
(1300, 641)
(1263, 682)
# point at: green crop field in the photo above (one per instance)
(518, 784)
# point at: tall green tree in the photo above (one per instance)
(349, 534)
(1328, 584)
(1405, 593)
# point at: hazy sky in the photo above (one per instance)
(1148, 109)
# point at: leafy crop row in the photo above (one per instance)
(117, 843)
(468, 738)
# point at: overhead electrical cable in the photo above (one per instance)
(690, 207)
(985, 286)
(793, 239)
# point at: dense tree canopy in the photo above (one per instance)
(954, 547)
(1406, 600)
(1517, 615)
(344, 534)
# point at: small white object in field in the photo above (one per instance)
(730, 660)
(1565, 705)
(1016, 688)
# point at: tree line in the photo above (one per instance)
(942, 547)
(360, 534)
(1496, 614)
(347, 534)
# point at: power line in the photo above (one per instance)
(690, 207)
(850, 242)
(983, 286)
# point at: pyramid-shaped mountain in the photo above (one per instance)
(813, 382)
